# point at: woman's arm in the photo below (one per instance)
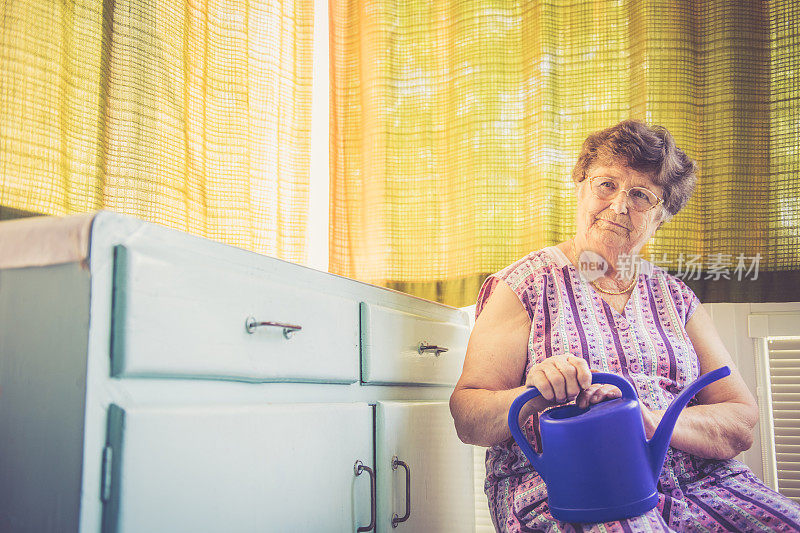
(493, 369)
(721, 426)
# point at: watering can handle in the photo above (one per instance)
(619, 382)
(516, 431)
(516, 406)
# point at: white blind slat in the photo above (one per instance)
(783, 404)
(783, 388)
(785, 372)
(784, 363)
(785, 479)
(786, 397)
(786, 429)
(784, 344)
(784, 354)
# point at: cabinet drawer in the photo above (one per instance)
(393, 346)
(181, 315)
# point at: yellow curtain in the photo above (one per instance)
(456, 124)
(194, 114)
(783, 205)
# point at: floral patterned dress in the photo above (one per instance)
(647, 344)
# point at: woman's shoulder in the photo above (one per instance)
(533, 265)
(522, 276)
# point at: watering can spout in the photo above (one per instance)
(659, 443)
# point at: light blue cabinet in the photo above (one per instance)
(155, 381)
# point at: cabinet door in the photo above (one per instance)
(422, 435)
(249, 468)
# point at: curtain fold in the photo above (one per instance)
(784, 134)
(456, 125)
(192, 114)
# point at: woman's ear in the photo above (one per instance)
(663, 216)
(579, 188)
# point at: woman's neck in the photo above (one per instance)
(620, 265)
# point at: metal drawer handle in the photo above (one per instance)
(359, 467)
(251, 324)
(424, 347)
(395, 518)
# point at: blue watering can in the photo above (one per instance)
(596, 462)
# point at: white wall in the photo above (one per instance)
(731, 323)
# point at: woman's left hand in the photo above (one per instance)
(596, 393)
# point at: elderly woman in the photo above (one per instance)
(551, 318)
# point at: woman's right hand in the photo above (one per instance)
(560, 378)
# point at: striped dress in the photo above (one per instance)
(648, 345)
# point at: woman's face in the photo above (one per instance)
(613, 226)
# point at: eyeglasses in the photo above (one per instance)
(639, 198)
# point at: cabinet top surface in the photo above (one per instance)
(89, 238)
(40, 241)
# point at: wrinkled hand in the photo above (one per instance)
(561, 378)
(597, 393)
